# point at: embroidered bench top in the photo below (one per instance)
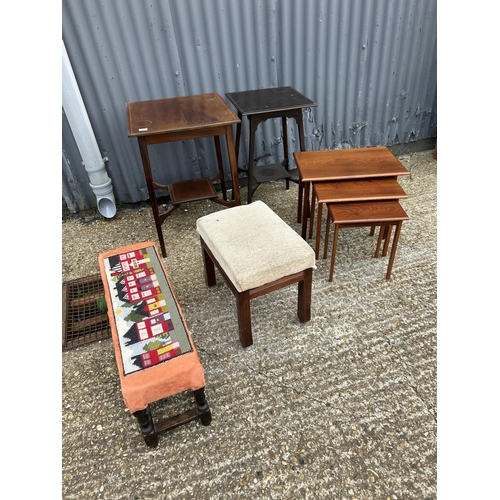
(148, 320)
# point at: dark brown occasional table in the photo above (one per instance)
(258, 106)
(179, 119)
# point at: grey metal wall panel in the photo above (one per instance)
(370, 65)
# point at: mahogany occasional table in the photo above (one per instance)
(343, 164)
(260, 105)
(180, 119)
(383, 213)
(384, 188)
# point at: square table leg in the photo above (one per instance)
(305, 209)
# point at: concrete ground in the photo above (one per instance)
(342, 407)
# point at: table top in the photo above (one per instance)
(252, 102)
(338, 164)
(366, 212)
(386, 188)
(178, 114)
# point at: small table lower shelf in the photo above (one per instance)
(192, 190)
(271, 172)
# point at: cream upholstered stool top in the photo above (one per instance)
(256, 252)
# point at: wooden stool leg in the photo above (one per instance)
(209, 268)
(304, 302)
(145, 420)
(244, 319)
(372, 230)
(202, 406)
(393, 249)
(334, 249)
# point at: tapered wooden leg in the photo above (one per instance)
(285, 148)
(379, 241)
(327, 234)
(218, 152)
(318, 227)
(387, 240)
(145, 420)
(311, 215)
(393, 249)
(302, 140)
(304, 302)
(334, 249)
(143, 148)
(244, 319)
(233, 163)
(305, 209)
(299, 203)
(237, 150)
(251, 160)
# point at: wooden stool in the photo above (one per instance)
(256, 252)
(154, 352)
(367, 213)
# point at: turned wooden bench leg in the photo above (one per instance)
(145, 420)
(202, 406)
(244, 318)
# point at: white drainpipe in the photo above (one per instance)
(84, 136)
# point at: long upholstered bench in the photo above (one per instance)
(154, 351)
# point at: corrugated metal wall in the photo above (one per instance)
(370, 65)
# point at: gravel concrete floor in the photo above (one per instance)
(342, 407)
